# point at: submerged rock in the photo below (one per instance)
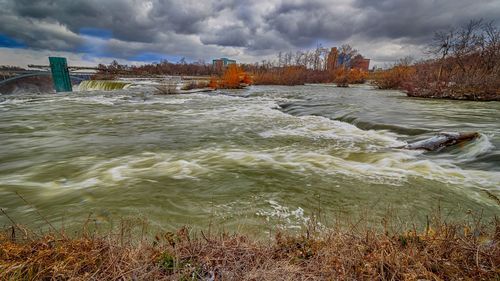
(442, 140)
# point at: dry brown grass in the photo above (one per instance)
(467, 251)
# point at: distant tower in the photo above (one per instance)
(332, 58)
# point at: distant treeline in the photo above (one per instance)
(10, 68)
(467, 66)
(163, 68)
(321, 65)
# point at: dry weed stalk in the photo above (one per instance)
(443, 251)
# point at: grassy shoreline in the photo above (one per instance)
(456, 94)
(469, 250)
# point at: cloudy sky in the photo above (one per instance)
(139, 31)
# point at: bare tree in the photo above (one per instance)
(298, 58)
(468, 60)
(347, 51)
(441, 45)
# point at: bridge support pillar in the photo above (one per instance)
(60, 74)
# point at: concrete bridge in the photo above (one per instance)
(23, 74)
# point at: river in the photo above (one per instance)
(252, 159)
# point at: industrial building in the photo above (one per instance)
(220, 64)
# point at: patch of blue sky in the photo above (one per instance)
(9, 42)
(154, 57)
(97, 32)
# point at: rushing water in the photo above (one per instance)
(105, 85)
(252, 159)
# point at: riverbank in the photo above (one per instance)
(404, 78)
(455, 94)
(468, 250)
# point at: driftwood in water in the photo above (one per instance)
(442, 140)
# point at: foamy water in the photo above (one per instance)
(256, 158)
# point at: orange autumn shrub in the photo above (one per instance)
(340, 77)
(231, 77)
(394, 78)
(356, 76)
(234, 78)
(344, 76)
(213, 83)
(247, 79)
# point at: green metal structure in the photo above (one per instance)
(60, 74)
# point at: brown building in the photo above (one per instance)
(359, 62)
(335, 60)
(331, 61)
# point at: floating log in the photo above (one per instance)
(442, 140)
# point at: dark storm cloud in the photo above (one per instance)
(305, 22)
(120, 17)
(230, 36)
(420, 19)
(245, 29)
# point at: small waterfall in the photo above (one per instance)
(103, 85)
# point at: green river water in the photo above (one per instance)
(249, 159)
